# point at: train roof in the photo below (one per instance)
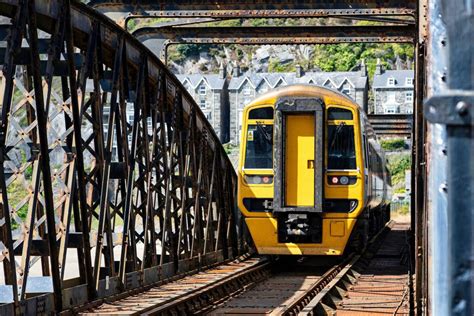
(329, 96)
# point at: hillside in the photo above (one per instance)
(282, 58)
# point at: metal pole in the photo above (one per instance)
(450, 169)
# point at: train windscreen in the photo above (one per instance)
(259, 149)
(341, 147)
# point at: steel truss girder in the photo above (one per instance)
(158, 38)
(104, 157)
(233, 9)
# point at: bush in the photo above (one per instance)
(393, 144)
(397, 166)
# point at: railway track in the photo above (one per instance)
(379, 282)
(374, 282)
(187, 295)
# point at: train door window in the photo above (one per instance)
(341, 147)
(259, 146)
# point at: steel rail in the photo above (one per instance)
(300, 302)
(211, 287)
(346, 275)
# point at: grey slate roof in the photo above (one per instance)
(212, 80)
(318, 78)
(381, 81)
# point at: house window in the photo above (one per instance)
(391, 81)
(346, 91)
(409, 96)
(202, 103)
(209, 116)
(247, 90)
(202, 89)
(409, 81)
(390, 110)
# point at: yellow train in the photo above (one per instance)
(312, 176)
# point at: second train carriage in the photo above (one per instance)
(312, 176)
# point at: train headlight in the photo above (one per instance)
(344, 180)
(259, 179)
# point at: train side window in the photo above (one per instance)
(339, 114)
(366, 151)
(261, 113)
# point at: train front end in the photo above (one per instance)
(301, 173)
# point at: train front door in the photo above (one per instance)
(299, 160)
(298, 155)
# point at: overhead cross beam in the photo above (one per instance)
(158, 39)
(250, 8)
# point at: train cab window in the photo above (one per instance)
(259, 149)
(341, 147)
(339, 114)
(261, 113)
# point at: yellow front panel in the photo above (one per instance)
(264, 234)
(299, 164)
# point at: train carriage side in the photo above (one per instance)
(287, 154)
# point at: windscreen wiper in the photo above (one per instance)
(266, 135)
(336, 133)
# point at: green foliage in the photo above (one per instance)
(404, 209)
(397, 166)
(276, 66)
(234, 22)
(229, 148)
(131, 25)
(393, 144)
(259, 22)
(16, 193)
(400, 190)
(343, 57)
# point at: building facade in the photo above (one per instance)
(243, 88)
(210, 93)
(393, 91)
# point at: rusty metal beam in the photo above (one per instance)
(286, 8)
(157, 39)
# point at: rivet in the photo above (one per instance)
(462, 107)
(444, 187)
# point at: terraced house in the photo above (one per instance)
(393, 91)
(243, 88)
(210, 92)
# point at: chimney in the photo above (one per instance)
(222, 71)
(363, 68)
(236, 71)
(378, 67)
(299, 71)
(398, 63)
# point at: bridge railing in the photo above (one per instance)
(111, 178)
